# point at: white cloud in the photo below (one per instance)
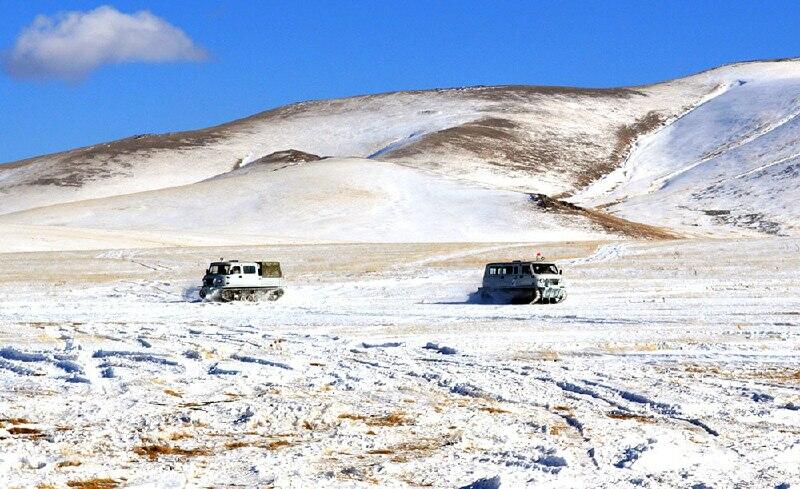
(71, 45)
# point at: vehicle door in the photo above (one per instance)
(515, 275)
(236, 275)
(250, 275)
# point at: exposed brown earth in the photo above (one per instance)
(626, 136)
(606, 221)
(287, 156)
(95, 483)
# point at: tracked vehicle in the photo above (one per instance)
(233, 280)
(525, 282)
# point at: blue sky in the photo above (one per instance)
(265, 54)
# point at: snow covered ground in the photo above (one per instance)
(665, 367)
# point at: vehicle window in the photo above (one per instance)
(492, 271)
(236, 270)
(545, 269)
(219, 269)
(249, 269)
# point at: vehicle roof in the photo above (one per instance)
(218, 263)
(503, 263)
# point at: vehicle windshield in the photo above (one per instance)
(540, 269)
(220, 269)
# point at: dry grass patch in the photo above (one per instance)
(179, 435)
(154, 451)
(624, 348)
(398, 418)
(277, 444)
(636, 417)
(233, 445)
(402, 452)
(172, 393)
(493, 410)
(703, 369)
(273, 445)
(96, 483)
(68, 463)
(393, 419)
(14, 421)
(775, 375)
(546, 354)
(25, 431)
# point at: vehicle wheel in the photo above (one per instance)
(250, 296)
(226, 296)
(275, 294)
(563, 296)
(537, 296)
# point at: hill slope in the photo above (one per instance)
(716, 149)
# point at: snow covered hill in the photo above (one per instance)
(712, 154)
(352, 200)
(731, 164)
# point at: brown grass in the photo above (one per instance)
(604, 220)
(154, 451)
(492, 410)
(394, 419)
(636, 417)
(179, 435)
(237, 444)
(14, 421)
(403, 451)
(23, 430)
(703, 369)
(96, 483)
(277, 444)
(351, 416)
(68, 463)
(273, 445)
(769, 374)
(172, 393)
(622, 348)
(317, 364)
(776, 375)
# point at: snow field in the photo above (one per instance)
(662, 369)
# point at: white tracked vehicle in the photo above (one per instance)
(523, 282)
(233, 280)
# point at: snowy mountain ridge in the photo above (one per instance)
(711, 154)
